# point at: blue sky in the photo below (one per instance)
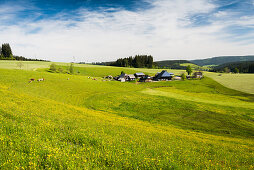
(104, 30)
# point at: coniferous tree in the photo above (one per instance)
(150, 61)
(6, 51)
(189, 69)
(139, 61)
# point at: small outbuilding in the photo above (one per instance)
(130, 77)
(139, 75)
(197, 75)
(109, 77)
(146, 79)
(177, 78)
(163, 76)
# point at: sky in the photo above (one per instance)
(104, 30)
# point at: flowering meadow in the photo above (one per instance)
(75, 122)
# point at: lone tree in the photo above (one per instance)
(189, 69)
(6, 51)
(71, 69)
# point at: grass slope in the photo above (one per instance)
(82, 123)
(241, 82)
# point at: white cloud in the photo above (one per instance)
(101, 36)
(220, 14)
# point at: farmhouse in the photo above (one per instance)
(139, 75)
(198, 75)
(121, 77)
(146, 79)
(163, 76)
(125, 77)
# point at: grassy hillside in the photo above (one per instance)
(80, 123)
(222, 60)
(84, 69)
(241, 82)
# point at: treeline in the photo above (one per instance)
(236, 67)
(21, 58)
(139, 61)
(102, 63)
(6, 54)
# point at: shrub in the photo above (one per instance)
(183, 76)
(52, 67)
(71, 69)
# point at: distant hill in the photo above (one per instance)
(242, 66)
(222, 60)
(173, 64)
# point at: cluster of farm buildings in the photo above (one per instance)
(160, 76)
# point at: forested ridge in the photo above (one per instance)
(237, 67)
(139, 61)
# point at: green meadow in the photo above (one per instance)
(75, 122)
(241, 82)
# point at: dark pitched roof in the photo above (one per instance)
(122, 75)
(164, 74)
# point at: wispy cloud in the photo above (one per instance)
(167, 30)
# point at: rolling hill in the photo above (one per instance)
(75, 122)
(222, 60)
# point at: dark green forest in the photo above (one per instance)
(236, 67)
(139, 61)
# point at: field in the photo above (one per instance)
(241, 82)
(74, 122)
